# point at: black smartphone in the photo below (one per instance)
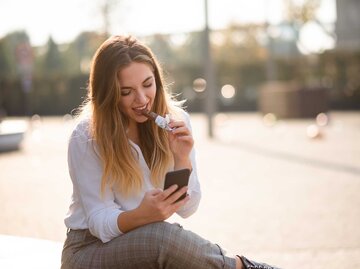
(178, 177)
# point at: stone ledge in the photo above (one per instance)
(23, 252)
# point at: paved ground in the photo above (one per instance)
(269, 192)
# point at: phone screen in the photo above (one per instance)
(178, 177)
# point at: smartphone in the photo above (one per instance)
(178, 177)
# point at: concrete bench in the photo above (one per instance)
(23, 252)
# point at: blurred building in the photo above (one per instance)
(347, 26)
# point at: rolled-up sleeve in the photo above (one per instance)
(194, 189)
(100, 211)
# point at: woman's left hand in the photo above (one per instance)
(181, 143)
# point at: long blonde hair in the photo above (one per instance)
(108, 124)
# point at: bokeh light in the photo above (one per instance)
(199, 85)
(221, 119)
(67, 118)
(228, 91)
(322, 119)
(269, 119)
(313, 131)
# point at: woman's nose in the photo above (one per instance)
(140, 96)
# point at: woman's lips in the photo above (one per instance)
(139, 110)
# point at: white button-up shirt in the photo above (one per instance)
(99, 213)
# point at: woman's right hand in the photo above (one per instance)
(159, 205)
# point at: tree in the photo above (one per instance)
(9, 63)
(78, 54)
(52, 65)
(299, 13)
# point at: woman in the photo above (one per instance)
(117, 162)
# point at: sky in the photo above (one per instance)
(63, 20)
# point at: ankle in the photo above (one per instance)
(239, 263)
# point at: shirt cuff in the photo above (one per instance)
(113, 224)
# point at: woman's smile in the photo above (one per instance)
(138, 110)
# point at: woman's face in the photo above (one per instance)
(138, 90)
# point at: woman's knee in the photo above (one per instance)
(161, 237)
(167, 233)
(151, 238)
(174, 240)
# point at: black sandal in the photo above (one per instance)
(255, 265)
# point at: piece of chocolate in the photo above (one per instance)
(159, 120)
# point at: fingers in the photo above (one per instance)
(177, 205)
(181, 132)
(183, 201)
(177, 124)
(163, 195)
(160, 205)
(176, 195)
(171, 194)
(179, 128)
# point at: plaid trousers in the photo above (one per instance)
(159, 245)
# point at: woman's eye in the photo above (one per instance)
(148, 85)
(124, 93)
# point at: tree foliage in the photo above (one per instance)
(60, 71)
